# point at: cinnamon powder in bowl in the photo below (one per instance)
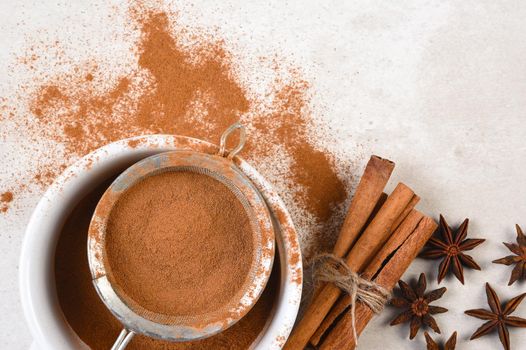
(97, 327)
(179, 243)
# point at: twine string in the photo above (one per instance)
(332, 269)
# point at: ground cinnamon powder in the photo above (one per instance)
(186, 82)
(97, 327)
(179, 243)
(5, 199)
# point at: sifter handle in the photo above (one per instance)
(122, 340)
(242, 138)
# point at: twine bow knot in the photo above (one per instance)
(332, 269)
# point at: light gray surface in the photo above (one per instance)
(439, 87)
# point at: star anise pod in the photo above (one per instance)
(519, 260)
(449, 345)
(451, 249)
(416, 302)
(498, 318)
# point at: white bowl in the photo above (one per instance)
(37, 284)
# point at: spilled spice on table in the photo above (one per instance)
(5, 199)
(187, 82)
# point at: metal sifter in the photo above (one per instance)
(177, 328)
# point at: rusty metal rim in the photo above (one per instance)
(134, 317)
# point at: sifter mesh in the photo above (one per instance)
(136, 318)
(233, 302)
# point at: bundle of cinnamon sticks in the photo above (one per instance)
(380, 237)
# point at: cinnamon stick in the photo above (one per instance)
(414, 201)
(404, 230)
(377, 233)
(401, 234)
(369, 190)
(341, 336)
(369, 243)
(379, 203)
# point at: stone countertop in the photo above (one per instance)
(437, 86)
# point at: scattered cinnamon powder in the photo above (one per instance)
(97, 327)
(5, 199)
(133, 143)
(187, 82)
(179, 243)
